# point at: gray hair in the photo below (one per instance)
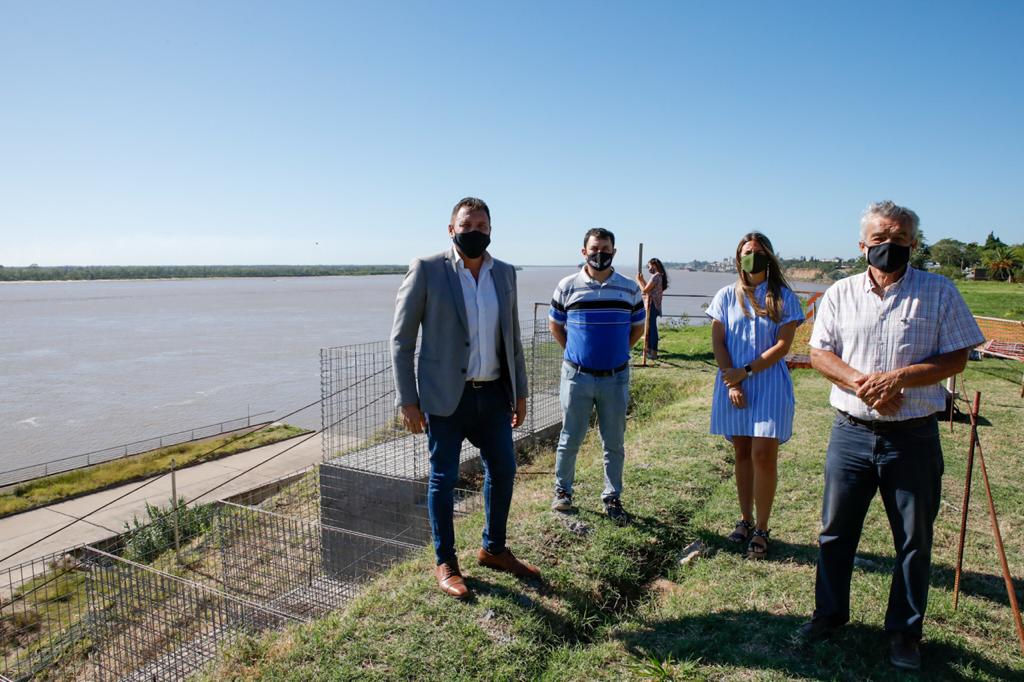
(887, 209)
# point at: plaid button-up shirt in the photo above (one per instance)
(921, 315)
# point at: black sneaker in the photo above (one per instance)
(562, 501)
(613, 508)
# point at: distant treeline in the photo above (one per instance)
(82, 272)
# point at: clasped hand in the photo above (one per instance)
(734, 376)
(881, 391)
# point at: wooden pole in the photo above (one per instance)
(1007, 578)
(967, 500)
(952, 400)
(647, 317)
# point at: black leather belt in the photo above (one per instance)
(879, 426)
(473, 383)
(598, 372)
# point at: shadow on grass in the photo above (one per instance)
(576, 627)
(1007, 370)
(764, 642)
(989, 586)
(673, 359)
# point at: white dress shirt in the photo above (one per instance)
(921, 315)
(482, 315)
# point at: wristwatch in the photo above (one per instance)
(749, 369)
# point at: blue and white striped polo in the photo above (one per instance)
(597, 317)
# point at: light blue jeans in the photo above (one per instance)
(579, 394)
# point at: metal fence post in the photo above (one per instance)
(174, 512)
(533, 387)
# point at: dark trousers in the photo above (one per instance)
(905, 465)
(652, 328)
(484, 418)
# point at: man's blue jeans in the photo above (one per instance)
(906, 467)
(579, 394)
(483, 417)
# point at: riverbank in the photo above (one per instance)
(44, 528)
(48, 490)
(615, 604)
(69, 273)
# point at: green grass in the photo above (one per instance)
(51, 489)
(614, 604)
(994, 299)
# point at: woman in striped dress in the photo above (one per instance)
(753, 322)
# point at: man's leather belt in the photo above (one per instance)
(473, 383)
(598, 372)
(879, 426)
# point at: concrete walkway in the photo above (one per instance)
(18, 530)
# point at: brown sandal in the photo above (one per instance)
(741, 533)
(758, 550)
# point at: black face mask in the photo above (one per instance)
(600, 261)
(472, 244)
(888, 257)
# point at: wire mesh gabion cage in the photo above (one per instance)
(362, 426)
(163, 599)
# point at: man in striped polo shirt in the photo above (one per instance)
(596, 316)
(885, 339)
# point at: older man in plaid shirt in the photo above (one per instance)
(885, 339)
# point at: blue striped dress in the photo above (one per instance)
(769, 393)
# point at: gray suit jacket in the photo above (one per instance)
(431, 297)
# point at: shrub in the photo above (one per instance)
(150, 538)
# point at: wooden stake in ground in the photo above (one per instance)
(1007, 578)
(647, 316)
(967, 500)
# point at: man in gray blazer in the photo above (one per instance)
(469, 383)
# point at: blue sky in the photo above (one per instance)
(301, 132)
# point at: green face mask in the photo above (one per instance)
(754, 263)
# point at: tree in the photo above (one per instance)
(992, 241)
(972, 255)
(1001, 260)
(949, 252)
(922, 254)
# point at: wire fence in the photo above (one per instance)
(363, 428)
(163, 599)
(57, 466)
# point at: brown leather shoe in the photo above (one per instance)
(506, 561)
(450, 580)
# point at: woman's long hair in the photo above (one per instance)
(660, 268)
(776, 281)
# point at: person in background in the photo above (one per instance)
(653, 291)
(468, 383)
(752, 328)
(885, 338)
(596, 315)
